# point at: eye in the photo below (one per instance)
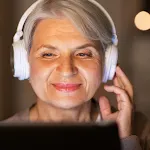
(48, 55)
(84, 54)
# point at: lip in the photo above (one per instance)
(69, 87)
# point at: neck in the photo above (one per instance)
(45, 112)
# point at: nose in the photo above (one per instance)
(67, 67)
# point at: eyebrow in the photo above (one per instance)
(47, 46)
(85, 46)
(77, 48)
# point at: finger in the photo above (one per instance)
(125, 81)
(118, 104)
(105, 107)
(122, 76)
(113, 116)
(118, 83)
(115, 81)
(124, 98)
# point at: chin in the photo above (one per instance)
(67, 103)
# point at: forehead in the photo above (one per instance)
(56, 27)
(52, 31)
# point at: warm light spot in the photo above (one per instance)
(142, 21)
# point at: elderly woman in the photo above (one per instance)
(66, 43)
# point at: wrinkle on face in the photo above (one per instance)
(67, 67)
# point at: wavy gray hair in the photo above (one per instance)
(85, 16)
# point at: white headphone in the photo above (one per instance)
(21, 65)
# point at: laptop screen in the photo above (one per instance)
(101, 136)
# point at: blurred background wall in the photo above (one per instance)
(134, 54)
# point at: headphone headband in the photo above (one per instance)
(19, 32)
(21, 65)
(22, 21)
(114, 38)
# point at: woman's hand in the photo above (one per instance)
(124, 93)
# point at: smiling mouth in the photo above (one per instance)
(66, 87)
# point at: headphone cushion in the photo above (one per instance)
(111, 58)
(21, 65)
(113, 63)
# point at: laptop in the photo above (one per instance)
(67, 136)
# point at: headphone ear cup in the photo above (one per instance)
(111, 58)
(21, 65)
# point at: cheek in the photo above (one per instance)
(36, 71)
(39, 70)
(94, 76)
(92, 73)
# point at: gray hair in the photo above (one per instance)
(85, 16)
